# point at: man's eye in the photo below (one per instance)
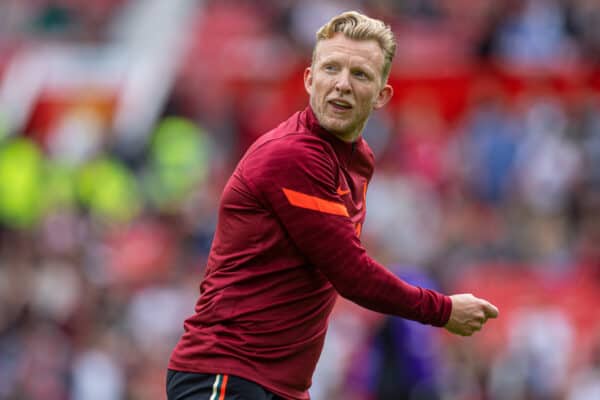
(329, 68)
(360, 74)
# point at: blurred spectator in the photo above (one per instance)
(533, 34)
(489, 145)
(548, 161)
(404, 356)
(532, 368)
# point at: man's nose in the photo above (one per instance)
(342, 84)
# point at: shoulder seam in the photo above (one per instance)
(285, 136)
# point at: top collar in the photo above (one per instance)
(312, 123)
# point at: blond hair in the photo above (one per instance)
(357, 26)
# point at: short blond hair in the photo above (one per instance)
(357, 26)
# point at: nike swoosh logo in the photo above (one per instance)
(342, 192)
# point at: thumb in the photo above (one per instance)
(490, 310)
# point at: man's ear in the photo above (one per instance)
(385, 94)
(308, 80)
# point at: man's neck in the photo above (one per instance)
(348, 138)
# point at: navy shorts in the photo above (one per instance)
(192, 386)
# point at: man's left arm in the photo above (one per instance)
(300, 187)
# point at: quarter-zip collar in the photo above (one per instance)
(344, 150)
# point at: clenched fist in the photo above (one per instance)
(469, 314)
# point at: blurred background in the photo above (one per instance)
(120, 121)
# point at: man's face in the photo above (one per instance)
(345, 84)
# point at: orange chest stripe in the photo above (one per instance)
(314, 203)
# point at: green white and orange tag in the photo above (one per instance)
(219, 387)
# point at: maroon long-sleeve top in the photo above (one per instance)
(287, 242)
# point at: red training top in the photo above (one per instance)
(287, 241)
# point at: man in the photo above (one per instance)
(287, 240)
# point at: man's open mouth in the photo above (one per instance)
(340, 104)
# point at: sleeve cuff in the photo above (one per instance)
(446, 309)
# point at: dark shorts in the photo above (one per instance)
(191, 386)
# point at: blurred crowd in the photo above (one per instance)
(120, 121)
